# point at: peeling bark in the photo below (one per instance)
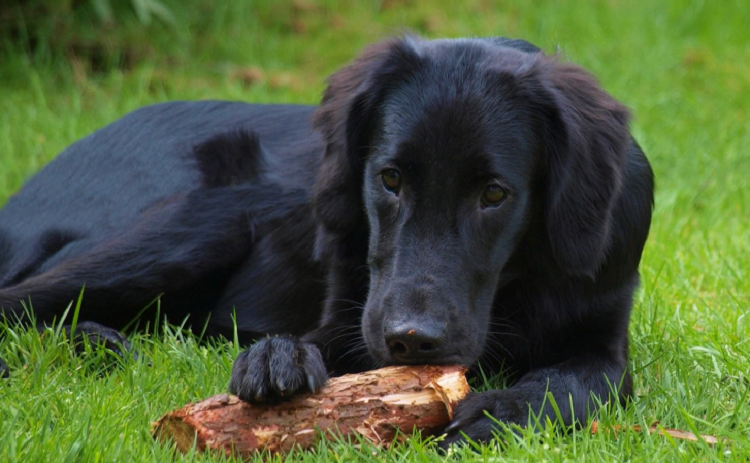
(374, 405)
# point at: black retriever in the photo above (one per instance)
(468, 201)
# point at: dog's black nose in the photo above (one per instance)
(411, 343)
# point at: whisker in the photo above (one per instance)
(343, 333)
(493, 341)
(355, 304)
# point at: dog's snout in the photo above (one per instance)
(414, 343)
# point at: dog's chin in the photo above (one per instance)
(448, 360)
(381, 357)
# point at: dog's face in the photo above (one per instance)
(447, 192)
(450, 150)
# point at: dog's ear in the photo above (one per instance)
(347, 118)
(586, 140)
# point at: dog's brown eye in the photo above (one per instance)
(493, 195)
(391, 180)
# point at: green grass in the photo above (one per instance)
(684, 69)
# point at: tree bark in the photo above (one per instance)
(373, 405)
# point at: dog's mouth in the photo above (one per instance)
(422, 325)
(421, 352)
(445, 360)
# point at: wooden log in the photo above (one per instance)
(373, 405)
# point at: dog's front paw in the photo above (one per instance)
(276, 368)
(471, 419)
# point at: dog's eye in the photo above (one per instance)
(391, 180)
(493, 196)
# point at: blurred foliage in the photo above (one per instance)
(102, 33)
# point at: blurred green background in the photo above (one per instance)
(95, 59)
(68, 67)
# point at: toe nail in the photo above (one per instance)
(311, 383)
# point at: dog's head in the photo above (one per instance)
(453, 152)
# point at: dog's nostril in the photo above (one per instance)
(397, 347)
(407, 344)
(426, 347)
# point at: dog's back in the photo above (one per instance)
(167, 201)
(99, 185)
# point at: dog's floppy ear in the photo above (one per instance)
(347, 116)
(586, 141)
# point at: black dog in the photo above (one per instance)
(451, 201)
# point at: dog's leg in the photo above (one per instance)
(278, 367)
(173, 248)
(339, 334)
(573, 384)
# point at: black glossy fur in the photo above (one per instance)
(285, 214)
